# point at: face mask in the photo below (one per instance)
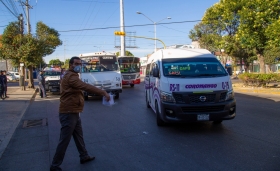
(77, 69)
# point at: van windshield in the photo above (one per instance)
(193, 67)
(99, 64)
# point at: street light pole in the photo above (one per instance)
(155, 26)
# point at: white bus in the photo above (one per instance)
(101, 69)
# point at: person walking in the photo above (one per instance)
(5, 81)
(1, 85)
(41, 84)
(71, 105)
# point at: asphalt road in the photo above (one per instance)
(126, 137)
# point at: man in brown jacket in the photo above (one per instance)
(71, 104)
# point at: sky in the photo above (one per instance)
(87, 26)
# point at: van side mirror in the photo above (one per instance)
(156, 72)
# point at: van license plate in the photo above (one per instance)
(203, 117)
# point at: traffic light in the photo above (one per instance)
(119, 33)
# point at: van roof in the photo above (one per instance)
(185, 53)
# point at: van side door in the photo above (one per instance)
(153, 91)
(147, 81)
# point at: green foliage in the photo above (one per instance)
(127, 53)
(259, 80)
(255, 17)
(55, 62)
(66, 64)
(28, 48)
(207, 37)
(271, 55)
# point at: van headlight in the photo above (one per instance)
(230, 95)
(166, 97)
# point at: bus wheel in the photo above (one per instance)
(131, 85)
(117, 95)
(160, 122)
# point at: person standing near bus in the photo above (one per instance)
(71, 105)
(41, 84)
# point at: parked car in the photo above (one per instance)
(16, 74)
(11, 77)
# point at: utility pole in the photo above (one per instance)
(21, 80)
(30, 69)
(122, 29)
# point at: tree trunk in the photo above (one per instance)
(30, 76)
(262, 64)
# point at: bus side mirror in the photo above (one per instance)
(156, 72)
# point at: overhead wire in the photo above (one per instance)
(84, 22)
(12, 3)
(9, 9)
(21, 3)
(138, 25)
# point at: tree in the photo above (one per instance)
(28, 48)
(255, 18)
(56, 62)
(66, 64)
(127, 53)
(207, 37)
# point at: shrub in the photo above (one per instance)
(258, 80)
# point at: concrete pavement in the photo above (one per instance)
(11, 112)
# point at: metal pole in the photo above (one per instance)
(122, 29)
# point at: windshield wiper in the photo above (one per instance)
(210, 75)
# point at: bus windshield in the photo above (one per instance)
(129, 64)
(99, 64)
(193, 67)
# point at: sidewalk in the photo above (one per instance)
(11, 112)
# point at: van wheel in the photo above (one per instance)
(217, 122)
(117, 95)
(131, 85)
(147, 102)
(85, 97)
(160, 122)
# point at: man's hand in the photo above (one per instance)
(107, 96)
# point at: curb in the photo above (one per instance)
(7, 139)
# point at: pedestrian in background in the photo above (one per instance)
(41, 80)
(62, 74)
(5, 84)
(71, 105)
(1, 85)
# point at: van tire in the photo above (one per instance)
(217, 122)
(147, 102)
(86, 97)
(131, 85)
(117, 95)
(160, 122)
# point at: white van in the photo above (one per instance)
(101, 69)
(186, 85)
